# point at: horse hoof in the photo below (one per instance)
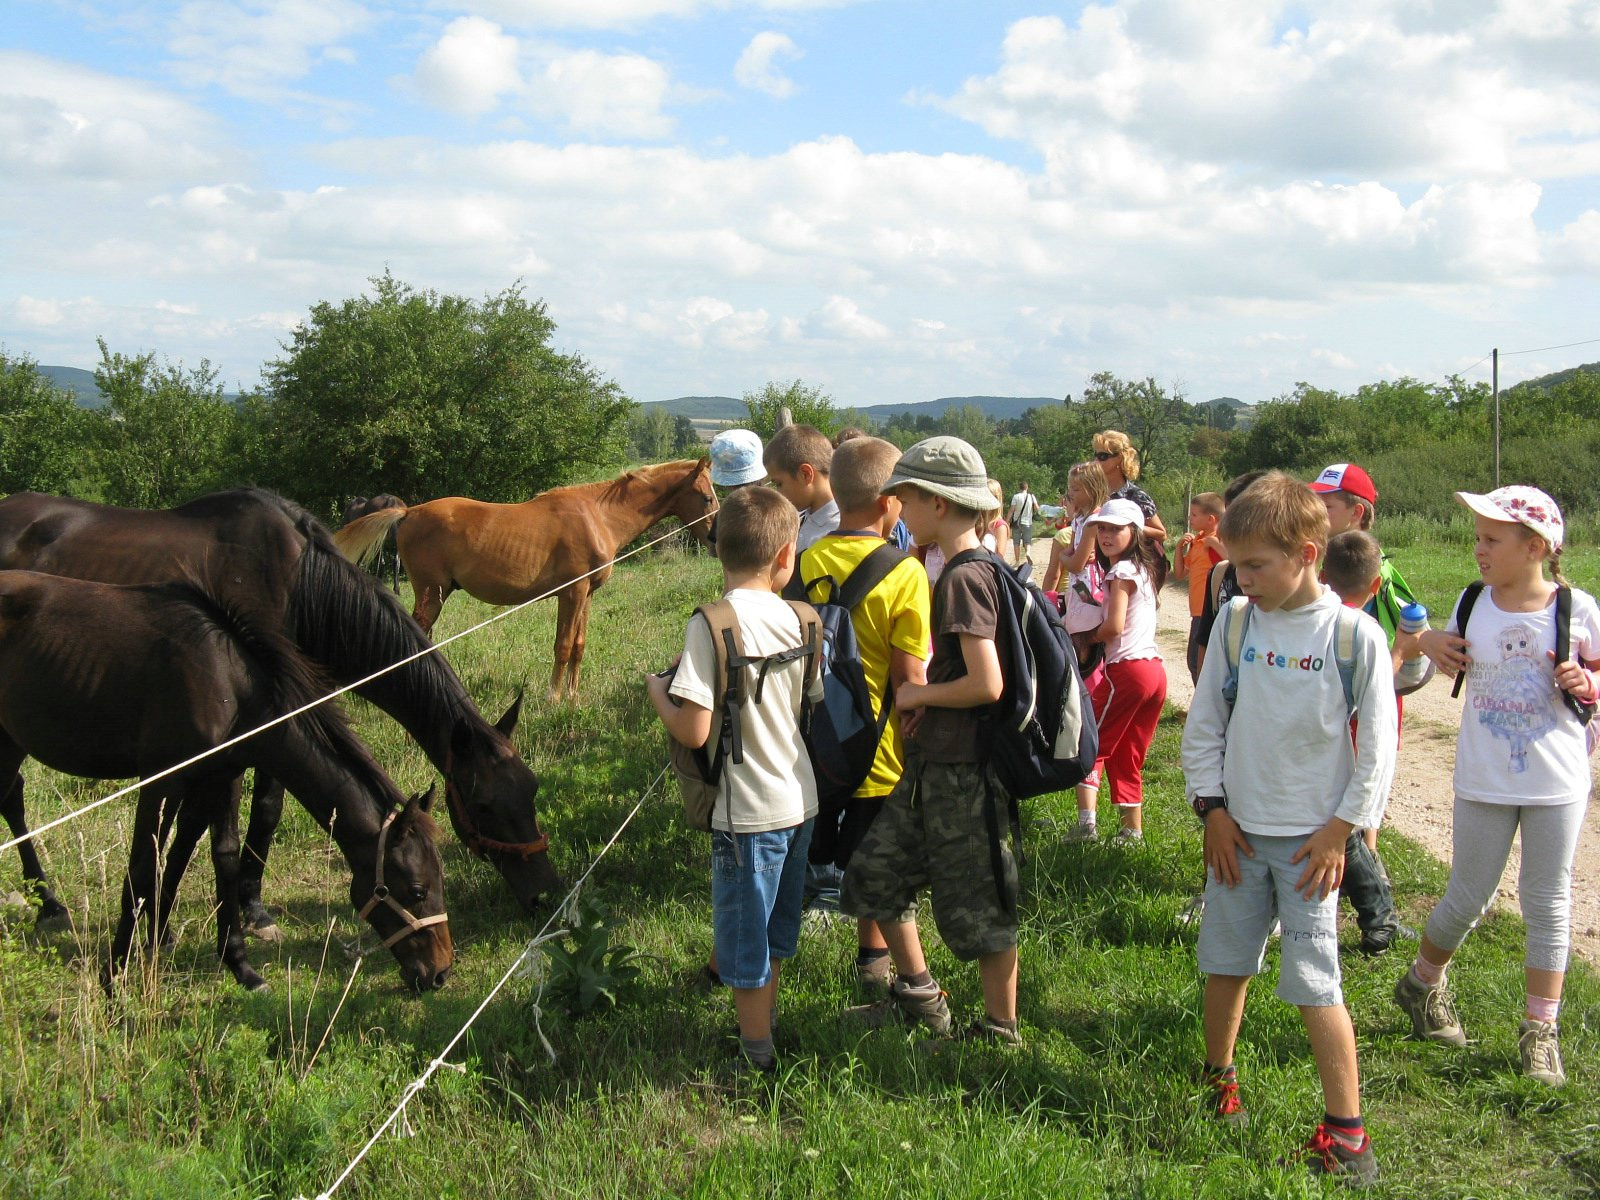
(53, 922)
(267, 932)
(254, 983)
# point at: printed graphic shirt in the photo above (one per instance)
(1284, 757)
(1519, 743)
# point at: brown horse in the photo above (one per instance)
(109, 682)
(508, 553)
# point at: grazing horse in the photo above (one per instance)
(386, 561)
(110, 681)
(256, 547)
(508, 553)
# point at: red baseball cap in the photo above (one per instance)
(1346, 477)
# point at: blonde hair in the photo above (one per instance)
(1093, 478)
(1114, 441)
(1277, 510)
(861, 466)
(753, 525)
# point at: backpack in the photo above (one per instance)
(1344, 648)
(1582, 709)
(701, 771)
(844, 733)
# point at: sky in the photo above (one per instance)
(894, 200)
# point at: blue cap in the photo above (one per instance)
(736, 458)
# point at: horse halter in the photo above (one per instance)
(476, 842)
(382, 895)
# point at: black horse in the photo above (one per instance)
(110, 681)
(255, 548)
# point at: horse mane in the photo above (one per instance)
(614, 488)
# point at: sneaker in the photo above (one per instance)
(1327, 1155)
(1192, 911)
(1541, 1052)
(982, 1032)
(1377, 941)
(1432, 1012)
(911, 1006)
(1081, 833)
(1226, 1106)
(873, 977)
(1128, 837)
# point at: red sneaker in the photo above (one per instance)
(1327, 1155)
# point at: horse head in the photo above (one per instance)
(694, 501)
(404, 900)
(489, 788)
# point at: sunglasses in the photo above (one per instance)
(1105, 456)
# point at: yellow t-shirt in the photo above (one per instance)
(895, 614)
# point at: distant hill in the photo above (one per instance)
(713, 408)
(1558, 377)
(726, 408)
(77, 381)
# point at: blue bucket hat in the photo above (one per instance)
(736, 458)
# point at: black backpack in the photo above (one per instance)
(1582, 709)
(844, 733)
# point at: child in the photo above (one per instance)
(1276, 823)
(1083, 607)
(1128, 699)
(934, 830)
(892, 628)
(1521, 763)
(759, 840)
(993, 533)
(798, 460)
(1353, 569)
(1199, 550)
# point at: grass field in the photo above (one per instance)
(185, 1085)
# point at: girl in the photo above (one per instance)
(1082, 603)
(1521, 762)
(1128, 698)
(992, 528)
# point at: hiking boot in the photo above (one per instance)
(1126, 838)
(908, 1005)
(1432, 1012)
(1541, 1052)
(1327, 1155)
(1081, 833)
(983, 1032)
(873, 978)
(1226, 1106)
(1377, 941)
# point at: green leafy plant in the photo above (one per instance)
(587, 973)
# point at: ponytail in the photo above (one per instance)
(1555, 567)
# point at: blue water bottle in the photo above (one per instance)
(1413, 618)
(1413, 672)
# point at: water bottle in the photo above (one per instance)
(1413, 672)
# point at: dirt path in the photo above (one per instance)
(1422, 799)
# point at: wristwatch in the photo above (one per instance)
(1205, 804)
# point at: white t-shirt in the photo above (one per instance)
(774, 787)
(815, 522)
(1284, 760)
(1519, 743)
(1023, 507)
(1138, 636)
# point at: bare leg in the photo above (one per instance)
(1333, 1044)
(905, 946)
(1224, 1010)
(998, 974)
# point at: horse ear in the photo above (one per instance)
(424, 802)
(508, 721)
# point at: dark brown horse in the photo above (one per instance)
(508, 553)
(262, 550)
(386, 560)
(109, 682)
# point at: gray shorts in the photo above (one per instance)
(1238, 921)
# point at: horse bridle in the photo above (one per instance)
(382, 895)
(476, 842)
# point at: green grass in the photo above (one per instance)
(184, 1085)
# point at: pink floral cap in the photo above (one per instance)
(1520, 504)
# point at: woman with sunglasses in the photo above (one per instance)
(1120, 461)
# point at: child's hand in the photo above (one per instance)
(1448, 650)
(1574, 677)
(910, 718)
(907, 697)
(1323, 854)
(1223, 842)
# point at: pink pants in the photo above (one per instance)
(1127, 703)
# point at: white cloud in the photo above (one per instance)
(620, 14)
(841, 317)
(471, 66)
(608, 95)
(757, 66)
(254, 47)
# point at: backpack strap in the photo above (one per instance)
(1235, 622)
(728, 644)
(1582, 709)
(868, 574)
(1344, 653)
(1469, 597)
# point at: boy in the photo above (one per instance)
(892, 627)
(1353, 569)
(759, 839)
(938, 827)
(1199, 550)
(1351, 498)
(1276, 823)
(798, 461)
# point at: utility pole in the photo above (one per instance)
(1496, 374)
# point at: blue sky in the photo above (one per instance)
(892, 199)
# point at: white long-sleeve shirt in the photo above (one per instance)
(1284, 758)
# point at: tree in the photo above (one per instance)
(686, 441)
(650, 433)
(164, 433)
(426, 395)
(1309, 427)
(807, 405)
(1155, 420)
(45, 438)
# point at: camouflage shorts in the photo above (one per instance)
(933, 833)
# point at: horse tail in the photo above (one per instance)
(361, 540)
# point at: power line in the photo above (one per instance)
(1542, 349)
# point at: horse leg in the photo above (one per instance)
(572, 615)
(430, 598)
(266, 811)
(222, 809)
(139, 887)
(52, 913)
(189, 816)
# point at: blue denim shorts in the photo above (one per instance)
(1238, 922)
(755, 900)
